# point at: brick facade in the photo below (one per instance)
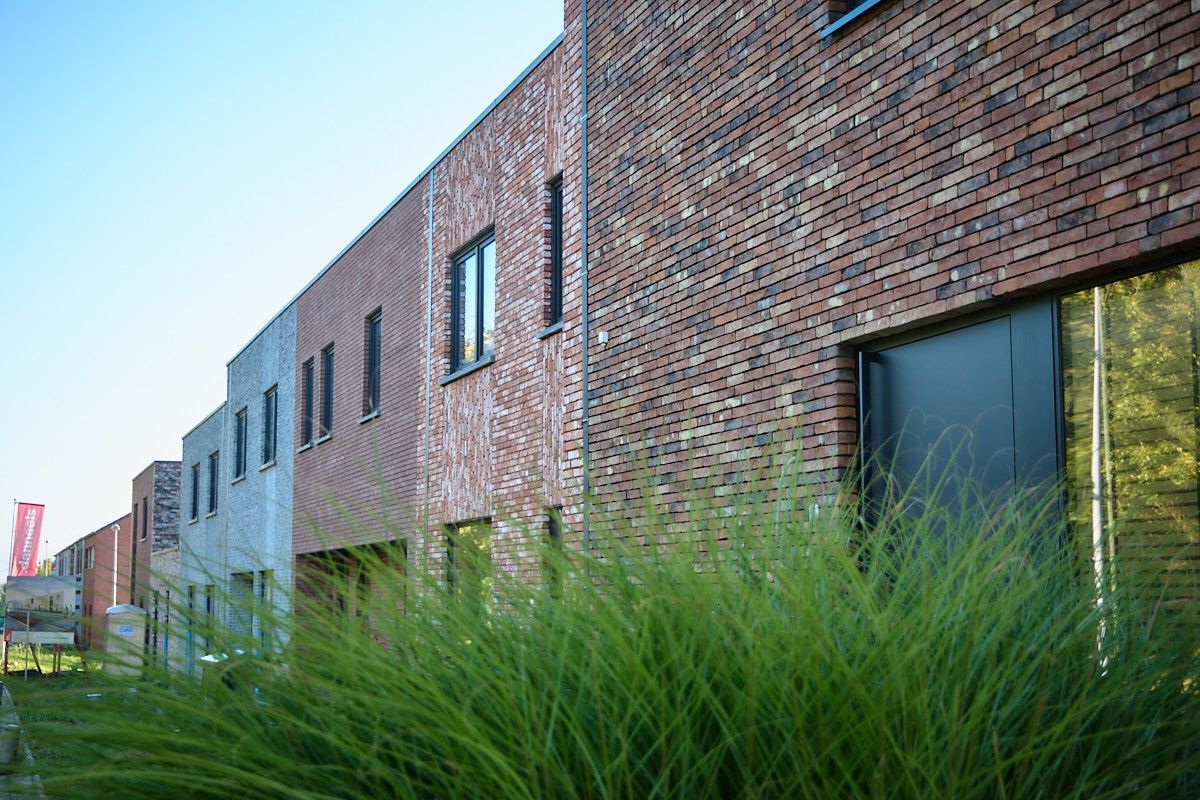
(498, 443)
(98, 590)
(155, 515)
(764, 201)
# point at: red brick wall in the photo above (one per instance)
(763, 199)
(97, 582)
(499, 436)
(362, 484)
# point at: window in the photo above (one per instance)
(327, 391)
(241, 603)
(266, 604)
(89, 558)
(473, 312)
(554, 551)
(306, 411)
(556, 246)
(213, 471)
(843, 12)
(145, 519)
(195, 492)
(133, 530)
(374, 343)
(239, 451)
(1131, 404)
(270, 424)
(469, 561)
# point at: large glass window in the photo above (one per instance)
(473, 311)
(1131, 392)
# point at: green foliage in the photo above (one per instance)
(795, 655)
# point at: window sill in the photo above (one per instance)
(848, 17)
(267, 465)
(305, 446)
(550, 330)
(210, 514)
(368, 417)
(238, 479)
(193, 520)
(467, 370)
(323, 439)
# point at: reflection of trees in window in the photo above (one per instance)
(469, 561)
(1131, 388)
(473, 309)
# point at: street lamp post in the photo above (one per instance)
(116, 529)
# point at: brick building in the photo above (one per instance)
(431, 380)
(92, 557)
(823, 233)
(202, 535)
(815, 230)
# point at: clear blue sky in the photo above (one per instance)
(171, 174)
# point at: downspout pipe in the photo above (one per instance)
(583, 272)
(428, 353)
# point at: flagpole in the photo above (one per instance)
(12, 539)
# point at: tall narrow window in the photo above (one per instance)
(556, 247)
(327, 391)
(473, 317)
(270, 424)
(306, 410)
(374, 343)
(134, 530)
(469, 562)
(195, 492)
(554, 551)
(213, 471)
(145, 519)
(239, 450)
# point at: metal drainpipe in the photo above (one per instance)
(428, 352)
(583, 269)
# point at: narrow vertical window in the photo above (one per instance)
(556, 247)
(239, 450)
(270, 424)
(306, 411)
(473, 312)
(145, 519)
(195, 492)
(374, 343)
(135, 520)
(213, 471)
(554, 551)
(327, 391)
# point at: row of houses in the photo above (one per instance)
(694, 236)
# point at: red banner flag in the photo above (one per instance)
(27, 530)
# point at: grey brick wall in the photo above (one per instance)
(202, 541)
(259, 519)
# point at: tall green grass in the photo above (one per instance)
(764, 654)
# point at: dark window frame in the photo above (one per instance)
(555, 300)
(327, 368)
(372, 377)
(195, 492)
(214, 470)
(145, 518)
(457, 290)
(308, 389)
(239, 443)
(270, 446)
